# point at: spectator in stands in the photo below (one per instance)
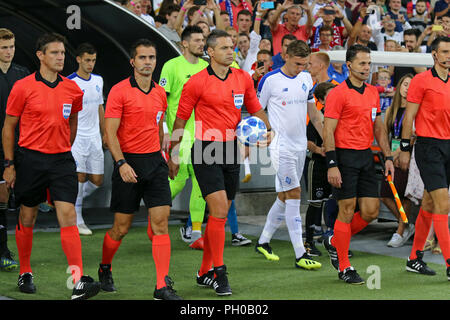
(412, 10)
(344, 9)
(412, 42)
(291, 26)
(385, 88)
(255, 40)
(232, 7)
(233, 34)
(441, 8)
(264, 57)
(393, 121)
(328, 14)
(265, 44)
(244, 21)
(398, 14)
(419, 17)
(147, 11)
(413, 46)
(278, 59)
(243, 44)
(325, 38)
(338, 71)
(170, 30)
(205, 28)
(389, 26)
(362, 33)
(225, 18)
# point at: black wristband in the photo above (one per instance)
(270, 129)
(331, 159)
(120, 163)
(405, 145)
(390, 158)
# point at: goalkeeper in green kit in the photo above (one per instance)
(175, 73)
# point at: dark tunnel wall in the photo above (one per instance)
(110, 28)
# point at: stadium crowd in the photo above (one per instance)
(264, 37)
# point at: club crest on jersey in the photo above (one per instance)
(304, 87)
(238, 100)
(158, 116)
(67, 108)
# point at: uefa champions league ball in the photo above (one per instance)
(251, 130)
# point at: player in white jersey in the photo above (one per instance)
(87, 149)
(287, 94)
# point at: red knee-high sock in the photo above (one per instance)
(161, 256)
(150, 230)
(216, 239)
(71, 245)
(110, 248)
(423, 224)
(341, 241)
(358, 223)
(440, 223)
(207, 257)
(24, 241)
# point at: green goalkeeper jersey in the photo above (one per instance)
(175, 73)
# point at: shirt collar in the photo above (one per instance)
(212, 73)
(52, 85)
(435, 74)
(134, 84)
(351, 86)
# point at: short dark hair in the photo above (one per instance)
(186, 34)
(171, 8)
(85, 47)
(353, 51)
(298, 48)
(43, 41)
(141, 42)
(211, 41)
(263, 51)
(435, 44)
(412, 32)
(321, 90)
(244, 34)
(288, 37)
(326, 28)
(244, 12)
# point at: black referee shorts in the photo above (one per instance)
(152, 184)
(216, 166)
(318, 186)
(358, 174)
(433, 160)
(37, 171)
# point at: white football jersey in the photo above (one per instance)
(286, 99)
(88, 120)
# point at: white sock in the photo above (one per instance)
(294, 225)
(79, 203)
(89, 188)
(273, 221)
(247, 166)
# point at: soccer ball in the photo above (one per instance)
(251, 130)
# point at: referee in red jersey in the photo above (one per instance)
(352, 118)
(428, 104)
(47, 105)
(134, 132)
(217, 94)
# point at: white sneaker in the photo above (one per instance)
(84, 230)
(396, 241)
(409, 231)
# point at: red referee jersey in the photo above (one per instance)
(44, 109)
(217, 103)
(433, 95)
(139, 113)
(356, 110)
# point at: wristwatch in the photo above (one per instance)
(120, 163)
(7, 163)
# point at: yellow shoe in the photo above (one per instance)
(247, 178)
(266, 250)
(306, 262)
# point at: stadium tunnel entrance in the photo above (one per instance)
(108, 26)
